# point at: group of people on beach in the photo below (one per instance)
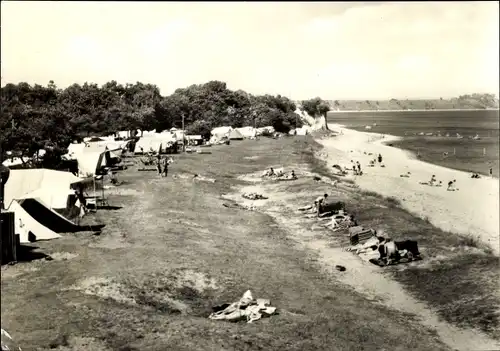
(279, 174)
(434, 182)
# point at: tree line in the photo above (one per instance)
(37, 117)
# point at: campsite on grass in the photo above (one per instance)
(215, 219)
(168, 264)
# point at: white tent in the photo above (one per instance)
(50, 186)
(268, 129)
(25, 223)
(235, 135)
(74, 149)
(158, 142)
(247, 132)
(221, 132)
(91, 161)
(15, 161)
(124, 134)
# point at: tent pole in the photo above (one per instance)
(95, 196)
(102, 184)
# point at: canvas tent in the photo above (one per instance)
(15, 162)
(32, 194)
(35, 221)
(247, 132)
(50, 186)
(157, 143)
(91, 162)
(26, 224)
(235, 135)
(221, 132)
(194, 139)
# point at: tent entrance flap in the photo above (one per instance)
(47, 217)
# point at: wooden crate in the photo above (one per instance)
(9, 239)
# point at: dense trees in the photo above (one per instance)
(36, 117)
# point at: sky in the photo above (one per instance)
(333, 50)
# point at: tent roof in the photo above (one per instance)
(234, 134)
(221, 130)
(49, 185)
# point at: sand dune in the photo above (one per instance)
(472, 210)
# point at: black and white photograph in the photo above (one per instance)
(240, 176)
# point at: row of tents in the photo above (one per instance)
(38, 196)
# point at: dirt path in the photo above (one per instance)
(361, 276)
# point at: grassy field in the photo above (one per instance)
(172, 251)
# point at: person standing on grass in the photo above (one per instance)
(491, 172)
(165, 167)
(158, 166)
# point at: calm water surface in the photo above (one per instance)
(464, 154)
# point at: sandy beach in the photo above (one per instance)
(471, 210)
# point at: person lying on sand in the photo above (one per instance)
(475, 176)
(407, 175)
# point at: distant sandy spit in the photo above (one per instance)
(416, 110)
(471, 210)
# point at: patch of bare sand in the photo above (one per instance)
(75, 343)
(364, 277)
(157, 290)
(14, 271)
(63, 256)
(122, 191)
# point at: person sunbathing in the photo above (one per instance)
(270, 172)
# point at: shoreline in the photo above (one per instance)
(389, 138)
(417, 110)
(470, 211)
